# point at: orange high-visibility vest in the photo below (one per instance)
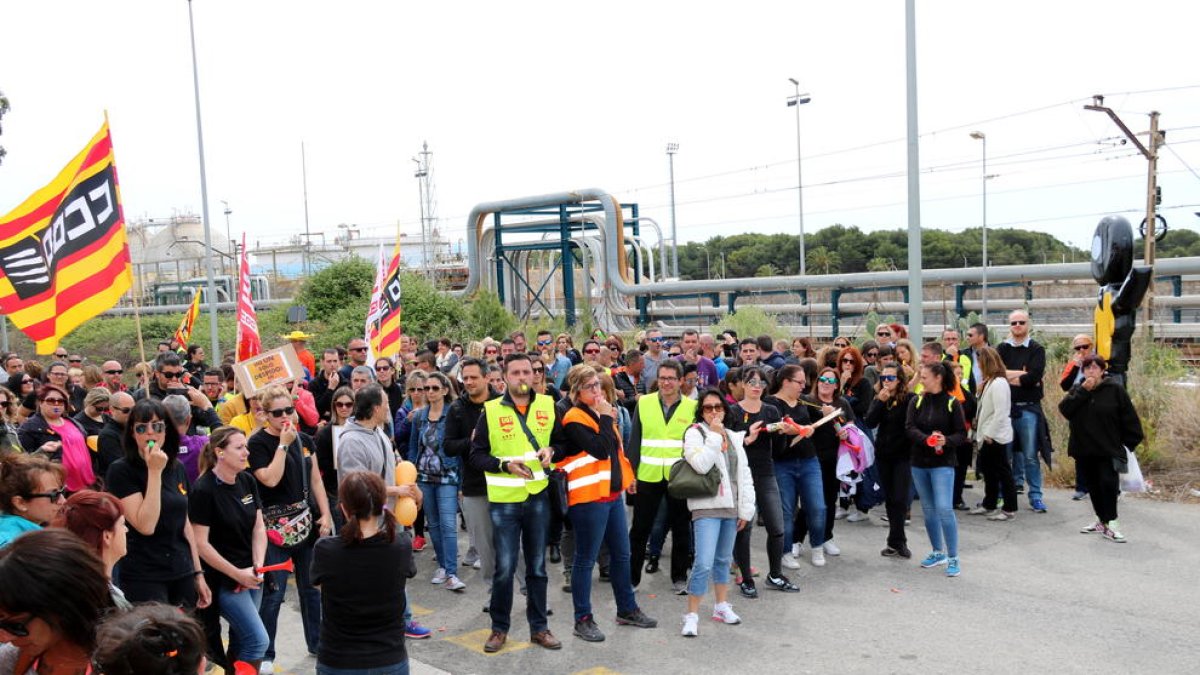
(590, 479)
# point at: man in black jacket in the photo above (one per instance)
(461, 419)
(171, 378)
(109, 447)
(1025, 364)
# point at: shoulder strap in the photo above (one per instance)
(525, 425)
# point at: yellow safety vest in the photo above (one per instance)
(662, 440)
(508, 440)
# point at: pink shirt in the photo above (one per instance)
(76, 458)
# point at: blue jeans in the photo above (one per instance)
(276, 587)
(936, 487)
(593, 523)
(441, 519)
(713, 539)
(1027, 467)
(398, 669)
(523, 526)
(801, 477)
(248, 639)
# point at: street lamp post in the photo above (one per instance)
(796, 101)
(672, 148)
(980, 136)
(228, 236)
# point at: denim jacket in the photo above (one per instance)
(450, 465)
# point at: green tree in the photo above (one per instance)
(823, 260)
(341, 285)
(486, 315)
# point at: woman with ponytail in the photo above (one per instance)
(362, 574)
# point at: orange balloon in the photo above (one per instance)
(406, 511)
(406, 473)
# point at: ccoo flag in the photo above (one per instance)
(385, 341)
(63, 252)
(184, 332)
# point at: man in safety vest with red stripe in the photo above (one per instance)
(656, 443)
(511, 445)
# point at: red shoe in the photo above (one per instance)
(418, 543)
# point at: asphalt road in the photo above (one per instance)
(1034, 596)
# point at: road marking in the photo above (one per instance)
(598, 670)
(418, 610)
(475, 639)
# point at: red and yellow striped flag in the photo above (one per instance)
(63, 252)
(384, 336)
(184, 332)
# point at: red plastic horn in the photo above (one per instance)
(243, 668)
(285, 566)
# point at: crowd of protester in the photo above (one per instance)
(167, 500)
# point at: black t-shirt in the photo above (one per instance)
(800, 414)
(362, 600)
(290, 488)
(761, 452)
(229, 511)
(164, 555)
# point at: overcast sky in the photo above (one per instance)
(524, 98)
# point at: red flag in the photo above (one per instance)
(248, 342)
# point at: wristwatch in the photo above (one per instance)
(504, 466)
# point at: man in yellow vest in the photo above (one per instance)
(655, 444)
(511, 446)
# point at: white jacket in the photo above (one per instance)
(993, 423)
(702, 451)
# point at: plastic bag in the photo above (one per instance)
(1131, 479)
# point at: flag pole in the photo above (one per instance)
(208, 250)
(133, 279)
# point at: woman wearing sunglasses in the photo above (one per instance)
(279, 460)
(58, 437)
(826, 439)
(887, 414)
(388, 377)
(438, 477)
(327, 441)
(31, 494)
(716, 520)
(796, 467)
(935, 427)
(542, 384)
(91, 418)
(750, 416)
(53, 593)
(163, 562)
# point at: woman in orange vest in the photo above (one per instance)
(597, 477)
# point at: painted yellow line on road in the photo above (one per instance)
(475, 639)
(598, 670)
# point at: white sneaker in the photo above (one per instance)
(453, 583)
(831, 548)
(439, 577)
(691, 625)
(857, 517)
(789, 561)
(478, 564)
(818, 557)
(840, 514)
(266, 668)
(723, 612)
(796, 550)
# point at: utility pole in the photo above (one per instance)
(228, 237)
(795, 102)
(1149, 150)
(304, 178)
(673, 148)
(425, 199)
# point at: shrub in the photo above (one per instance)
(337, 286)
(752, 322)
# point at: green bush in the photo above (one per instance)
(487, 316)
(336, 287)
(752, 322)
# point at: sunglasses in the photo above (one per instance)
(75, 361)
(755, 383)
(847, 360)
(883, 333)
(433, 389)
(114, 372)
(591, 351)
(872, 355)
(172, 375)
(61, 356)
(539, 370)
(545, 343)
(357, 349)
(149, 428)
(16, 628)
(887, 378)
(101, 408)
(1016, 323)
(413, 390)
(1081, 348)
(827, 380)
(280, 412)
(123, 411)
(383, 369)
(491, 351)
(54, 401)
(3, 402)
(713, 407)
(344, 404)
(53, 495)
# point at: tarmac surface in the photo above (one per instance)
(1035, 595)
